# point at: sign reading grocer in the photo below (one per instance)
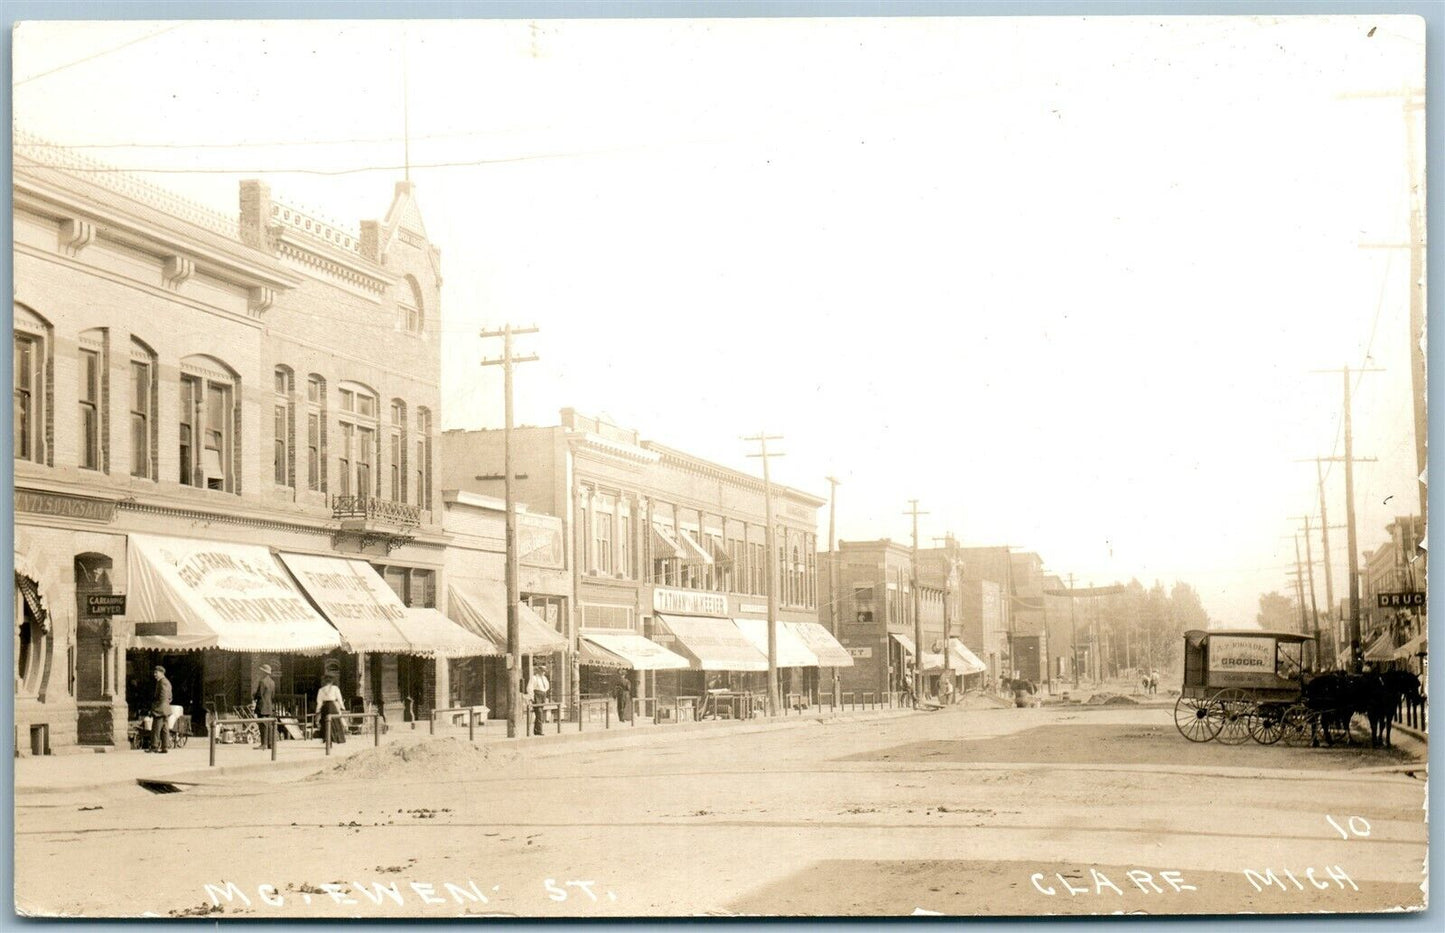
(1232, 656)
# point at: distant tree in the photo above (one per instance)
(1277, 613)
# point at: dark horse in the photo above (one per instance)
(1381, 695)
(1332, 699)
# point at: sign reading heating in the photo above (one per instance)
(1233, 655)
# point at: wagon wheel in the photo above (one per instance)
(1233, 709)
(1266, 723)
(1195, 719)
(1297, 719)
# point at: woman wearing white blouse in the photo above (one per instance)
(329, 703)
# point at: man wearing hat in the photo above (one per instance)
(265, 705)
(160, 709)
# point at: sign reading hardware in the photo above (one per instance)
(105, 604)
(689, 602)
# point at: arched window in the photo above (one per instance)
(396, 451)
(283, 427)
(34, 385)
(413, 309)
(423, 458)
(357, 448)
(210, 416)
(143, 391)
(93, 421)
(315, 433)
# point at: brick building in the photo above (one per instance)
(666, 551)
(192, 386)
(1395, 567)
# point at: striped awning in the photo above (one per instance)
(635, 651)
(697, 554)
(590, 654)
(664, 545)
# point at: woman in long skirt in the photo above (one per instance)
(328, 704)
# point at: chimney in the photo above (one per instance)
(256, 215)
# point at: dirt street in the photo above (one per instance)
(974, 812)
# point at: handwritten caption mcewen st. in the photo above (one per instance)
(400, 893)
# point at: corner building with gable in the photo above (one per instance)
(231, 422)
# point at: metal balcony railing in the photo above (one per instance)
(372, 509)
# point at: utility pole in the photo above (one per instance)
(1325, 554)
(948, 581)
(1073, 633)
(833, 581)
(1300, 587)
(762, 439)
(515, 709)
(1310, 570)
(1356, 657)
(917, 614)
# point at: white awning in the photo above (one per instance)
(480, 608)
(905, 641)
(354, 597)
(714, 644)
(432, 633)
(188, 594)
(960, 660)
(640, 653)
(822, 643)
(791, 650)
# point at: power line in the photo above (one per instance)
(103, 52)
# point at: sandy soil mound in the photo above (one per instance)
(434, 759)
(1111, 699)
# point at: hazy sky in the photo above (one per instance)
(1062, 280)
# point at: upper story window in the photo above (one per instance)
(283, 427)
(396, 452)
(143, 395)
(603, 507)
(209, 425)
(413, 310)
(315, 433)
(34, 350)
(356, 450)
(423, 458)
(90, 398)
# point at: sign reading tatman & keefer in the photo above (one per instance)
(1406, 600)
(62, 506)
(689, 602)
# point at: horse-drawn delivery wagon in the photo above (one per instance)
(1241, 684)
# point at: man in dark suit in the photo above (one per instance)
(265, 700)
(160, 709)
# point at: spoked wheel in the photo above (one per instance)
(1234, 709)
(1266, 723)
(1196, 719)
(1296, 731)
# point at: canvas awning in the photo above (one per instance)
(713, 644)
(1381, 649)
(479, 608)
(355, 599)
(905, 641)
(822, 643)
(592, 655)
(960, 660)
(1420, 644)
(433, 634)
(664, 545)
(187, 594)
(696, 553)
(792, 652)
(639, 653)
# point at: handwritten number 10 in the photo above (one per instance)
(1359, 826)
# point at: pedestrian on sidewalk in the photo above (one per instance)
(329, 703)
(945, 690)
(265, 701)
(160, 710)
(623, 693)
(537, 687)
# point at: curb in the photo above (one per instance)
(548, 745)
